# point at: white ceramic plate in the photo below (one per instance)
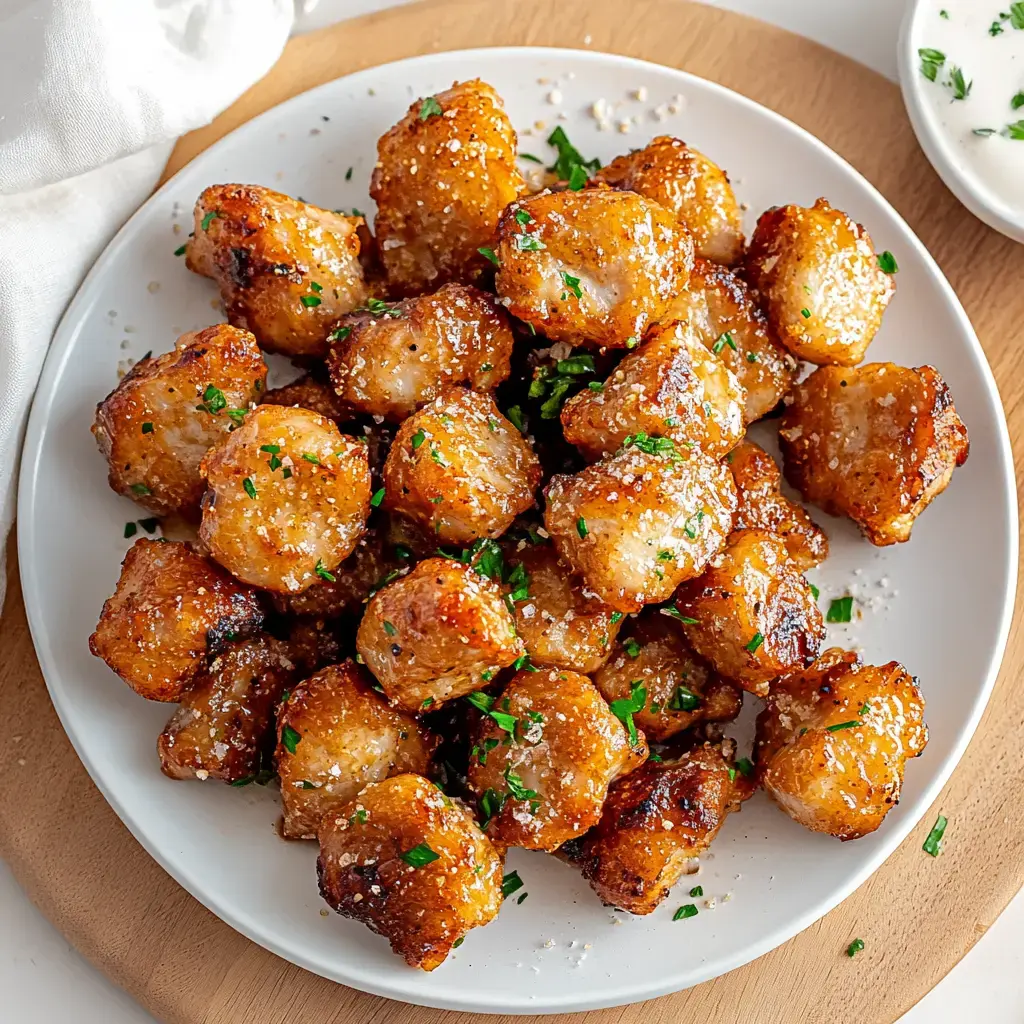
(943, 610)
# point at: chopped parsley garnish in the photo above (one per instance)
(556, 384)
(684, 699)
(672, 610)
(180, 251)
(380, 308)
(1016, 130)
(573, 284)
(458, 942)
(751, 358)
(290, 738)
(569, 158)
(130, 529)
(515, 416)
(523, 662)
(213, 400)
(578, 178)
(377, 498)
(310, 300)
(652, 445)
(389, 628)
(1017, 14)
(321, 570)
(430, 108)
(633, 647)
(805, 313)
(208, 219)
(755, 642)
(529, 156)
(815, 591)
(931, 61)
(691, 524)
(840, 726)
(697, 891)
(339, 334)
(149, 525)
(528, 243)
(596, 385)
(511, 883)
(723, 340)
(864, 708)
(840, 610)
(581, 528)
(887, 263)
(491, 804)
(483, 702)
(417, 439)
(426, 703)
(854, 947)
(689, 910)
(518, 791)
(309, 457)
(419, 856)
(249, 487)
(631, 343)
(625, 707)
(745, 767)
(147, 427)
(933, 844)
(140, 489)
(523, 217)
(961, 88)
(1017, 102)
(616, 617)
(489, 253)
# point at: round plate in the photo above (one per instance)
(939, 604)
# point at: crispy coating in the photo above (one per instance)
(155, 427)
(626, 255)
(694, 188)
(681, 690)
(636, 524)
(876, 443)
(562, 624)
(458, 468)
(309, 393)
(819, 282)
(434, 634)
(754, 614)
(718, 306)
(396, 359)
(544, 783)
(313, 644)
(654, 822)
(411, 864)
(833, 740)
(288, 498)
(444, 173)
(225, 715)
(762, 507)
(670, 386)
(170, 608)
(286, 270)
(335, 735)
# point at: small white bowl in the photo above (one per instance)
(937, 144)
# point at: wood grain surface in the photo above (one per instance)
(917, 916)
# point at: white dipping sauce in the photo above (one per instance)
(982, 54)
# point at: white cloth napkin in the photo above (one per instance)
(92, 94)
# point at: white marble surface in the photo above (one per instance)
(43, 980)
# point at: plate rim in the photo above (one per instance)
(447, 996)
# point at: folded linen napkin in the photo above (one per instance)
(92, 95)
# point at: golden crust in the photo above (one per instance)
(654, 822)
(876, 443)
(833, 741)
(635, 525)
(459, 469)
(170, 608)
(548, 784)
(681, 690)
(227, 712)
(627, 256)
(755, 616)
(365, 871)
(288, 498)
(718, 307)
(434, 634)
(155, 427)
(395, 360)
(441, 181)
(670, 386)
(335, 735)
(819, 281)
(309, 393)
(286, 270)
(693, 187)
(762, 507)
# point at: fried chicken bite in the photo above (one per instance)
(412, 865)
(309, 393)
(691, 186)
(444, 173)
(819, 281)
(638, 523)
(877, 444)
(396, 357)
(670, 386)
(717, 305)
(544, 753)
(563, 625)
(437, 633)
(286, 270)
(460, 469)
(226, 713)
(171, 607)
(679, 689)
(288, 498)
(335, 735)
(833, 741)
(762, 507)
(155, 427)
(596, 266)
(654, 822)
(751, 615)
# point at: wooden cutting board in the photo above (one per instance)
(917, 916)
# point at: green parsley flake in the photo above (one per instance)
(683, 699)
(887, 263)
(854, 947)
(290, 738)
(931, 61)
(755, 642)
(581, 528)
(933, 844)
(389, 628)
(249, 487)
(689, 910)
(511, 883)
(961, 88)
(625, 707)
(840, 610)
(378, 497)
(569, 159)
(697, 891)
(840, 726)
(180, 251)
(745, 767)
(130, 529)
(430, 108)
(213, 400)
(140, 489)
(208, 219)
(419, 856)
(339, 334)
(489, 253)
(573, 284)
(147, 428)
(321, 570)
(723, 340)
(417, 439)
(310, 300)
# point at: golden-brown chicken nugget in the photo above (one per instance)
(170, 608)
(396, 357)
(544, 753)
(411, 864)
(820, 282)
(833, 741)
(155, 427)
(876, 443)
(335, 735)
(288, 498)
(597, 265)
(693, 187)
(286, 269)
(444, 173)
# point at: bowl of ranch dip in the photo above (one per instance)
(961, 65)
